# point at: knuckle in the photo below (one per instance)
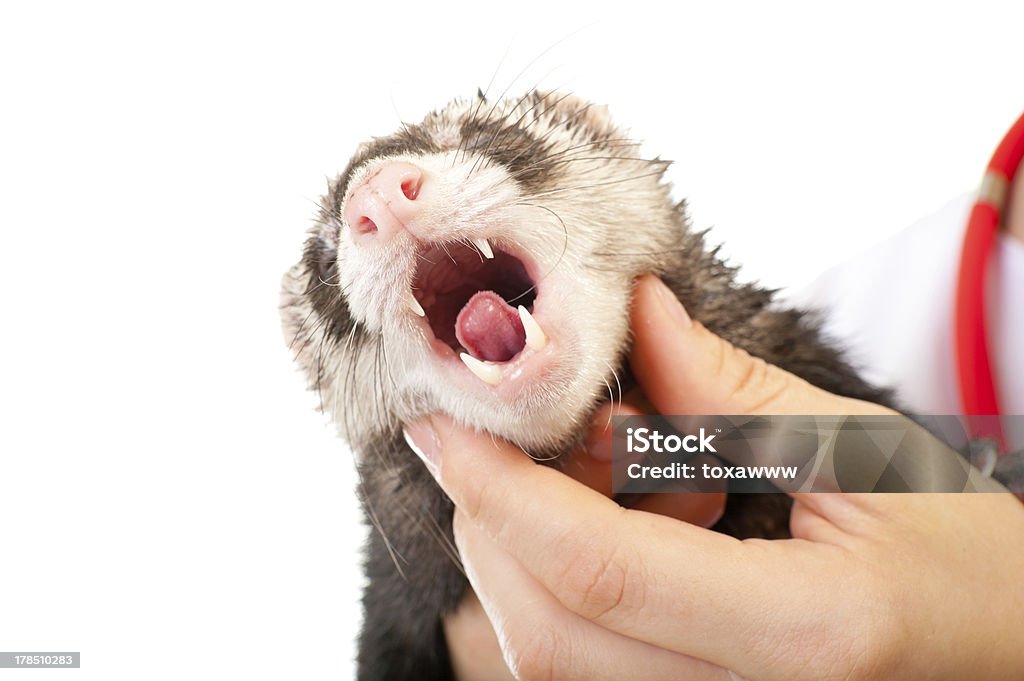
(721, 351)
(600, 585)
(474, 498)
(535, 656)
(485, 500)
(757, 385)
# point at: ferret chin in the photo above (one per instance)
(481, 264)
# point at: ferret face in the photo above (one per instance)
(480, 264)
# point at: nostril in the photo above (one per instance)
(411, 187)
(365, 225)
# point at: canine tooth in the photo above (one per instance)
(488, 373)
(415, 306)
(535, 338)
(484, 247)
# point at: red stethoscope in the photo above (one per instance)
(974, 369)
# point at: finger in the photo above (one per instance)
(591, 464)
(540, 638)
(696, 508)
(620, 568)
(686, 369)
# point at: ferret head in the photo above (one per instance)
(480, 264)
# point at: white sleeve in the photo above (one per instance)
(891, 307)
(1006, 322)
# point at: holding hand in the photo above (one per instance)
(873, 586)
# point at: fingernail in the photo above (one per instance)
(422, 439)
(673, 308)
(736, 677)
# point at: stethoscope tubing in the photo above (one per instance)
(978, 394)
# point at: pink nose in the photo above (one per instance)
(384, 203)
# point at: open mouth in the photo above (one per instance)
(479, 303)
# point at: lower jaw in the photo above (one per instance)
(530, 371)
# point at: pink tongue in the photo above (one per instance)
(489, 328)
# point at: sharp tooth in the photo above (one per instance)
(415, 306)
(484, 247)
(535, 338)
(485, 371)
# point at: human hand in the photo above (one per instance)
(474, 652)
(871, 586)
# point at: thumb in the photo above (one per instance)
(686, 369)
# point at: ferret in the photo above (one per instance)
(481, 264)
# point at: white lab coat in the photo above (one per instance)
(892, 308)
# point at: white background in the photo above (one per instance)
(170, 503)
